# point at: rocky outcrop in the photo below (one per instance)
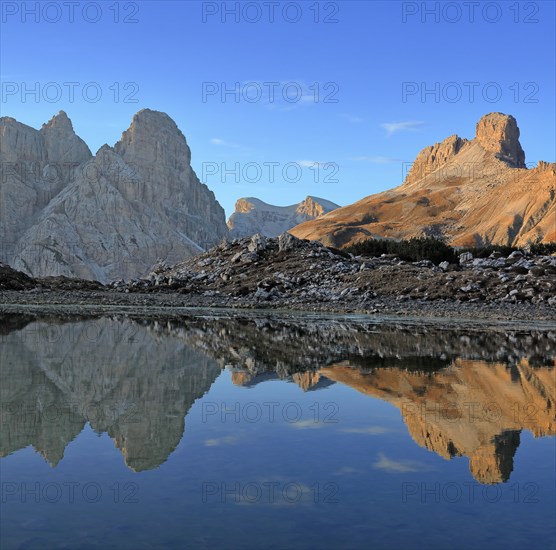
(431, 158)
(35, 167)
(468, 193)
(11, 279)
(108, 216)
(253, 216)
(158, 152)
(287, 272)
(499, 134)
(313, 207)
(63, 146)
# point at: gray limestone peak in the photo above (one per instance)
(62, 144)
(106, 216)
(253, 216)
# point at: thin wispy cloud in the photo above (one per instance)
(307, 424)
(224, 143)
(218, 441)
(368, 430)
(351, 118)
(398, 466)
(287, 95)
(346, 470)
(308, 98)
(311, 163)
(407, 126)
(376, 159)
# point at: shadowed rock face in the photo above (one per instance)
(36, 165)
(461, 393)
(468, 192)
(65, 212)
(61, 142)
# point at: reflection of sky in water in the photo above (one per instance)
(344, 467)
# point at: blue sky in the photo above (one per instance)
(360, 56)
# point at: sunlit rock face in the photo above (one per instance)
(431, 158)
(468, 192)
(499, 134)
(65, 212)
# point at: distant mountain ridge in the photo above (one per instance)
(467, 192)
(253, 215)
(64, 211)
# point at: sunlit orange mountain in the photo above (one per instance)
(468, 192)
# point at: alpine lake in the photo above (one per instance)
(251, 431)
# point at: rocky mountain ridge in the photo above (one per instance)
(466, 192)
(253, 216)
(67, 212)
(287, 271)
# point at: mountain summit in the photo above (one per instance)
(468, 192)
(108, 216)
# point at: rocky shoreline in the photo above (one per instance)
(290, 274)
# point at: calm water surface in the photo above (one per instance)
(274, 433)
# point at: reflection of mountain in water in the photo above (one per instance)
(460, 392)
(307, 381)
(471, 408)
(120, 377)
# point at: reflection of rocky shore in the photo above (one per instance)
(462, 392)
(284, 346)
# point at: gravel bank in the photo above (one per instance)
(294, 275)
